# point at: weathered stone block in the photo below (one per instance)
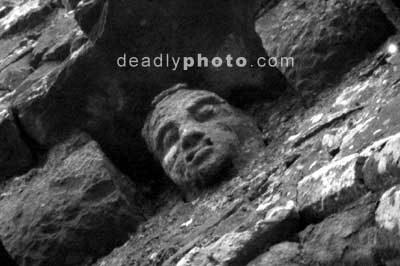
(331, 187)
(349, 238)
(388, 212)
(55, 41)
(324, 38)
(74, 209)
(14, 74)
(382, 167)
(238, 248)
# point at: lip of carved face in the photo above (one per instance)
(199, 155)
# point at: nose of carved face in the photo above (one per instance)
(191, 139)
(193, 143)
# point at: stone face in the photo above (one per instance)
(15, 155)
(324, 38)
(331, 187)
(197, 136)
(70, 211)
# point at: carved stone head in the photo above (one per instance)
(197, 136)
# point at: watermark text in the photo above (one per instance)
(200, 61)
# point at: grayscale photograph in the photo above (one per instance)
(199, 133)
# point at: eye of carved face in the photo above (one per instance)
(206, 108)
(205, 113)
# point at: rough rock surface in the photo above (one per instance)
(12, 75)
(332, 186)
(325, 38)
(349, 238)
(70, 211)
(237, 248)
(360, 116)
(343, 145)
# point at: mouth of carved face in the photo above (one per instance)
(207, 162)
(200, 154)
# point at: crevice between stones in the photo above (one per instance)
(318, 128)
(5, 258)
(38, 152)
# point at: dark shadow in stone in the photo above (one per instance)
(5, 258)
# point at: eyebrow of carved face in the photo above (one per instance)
(198, 103)
(161, 133)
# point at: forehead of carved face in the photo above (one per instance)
(196, 135)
